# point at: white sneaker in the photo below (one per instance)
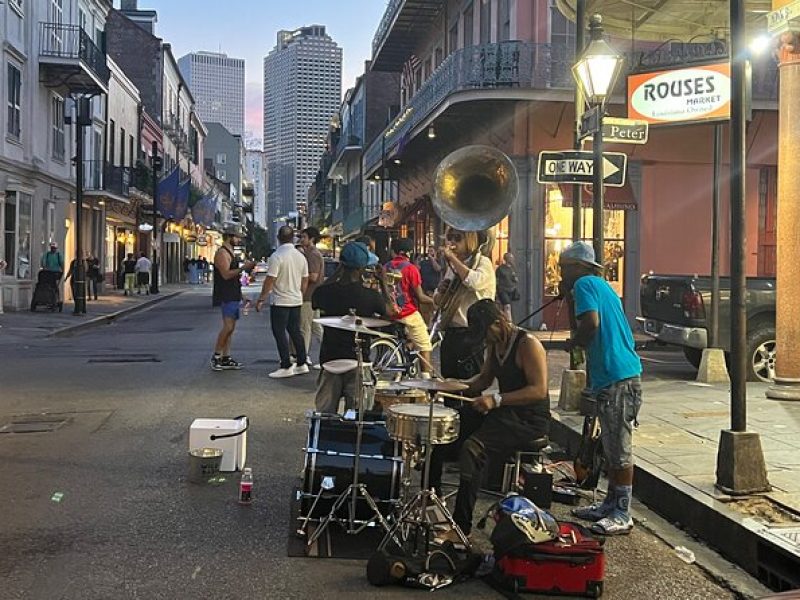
(282, 373)
(300, 370)
(316, 367)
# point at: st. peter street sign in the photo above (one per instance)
(577, 166)
(615, 130)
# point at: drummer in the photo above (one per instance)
(502, 422)
(339, 293)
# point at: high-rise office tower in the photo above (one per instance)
(302, 91)
(217, 84)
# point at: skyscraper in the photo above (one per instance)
(255, 169)
(217, 84)
(302, 91)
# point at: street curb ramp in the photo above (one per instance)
(111, 317)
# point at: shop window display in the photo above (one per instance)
(558, 235)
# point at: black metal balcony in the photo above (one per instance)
(404, 23)
(70, 60)
(509, 66)
(103, 179)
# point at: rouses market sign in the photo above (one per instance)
(683, 95)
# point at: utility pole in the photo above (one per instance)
(83, 119)
(157, 164)
(577, 200)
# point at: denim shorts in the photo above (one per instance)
(230, 310)
(618, 408)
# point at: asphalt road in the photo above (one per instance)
(129, 525)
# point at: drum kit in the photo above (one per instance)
(358, 471)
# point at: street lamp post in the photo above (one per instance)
(157, 163)
(596, 72)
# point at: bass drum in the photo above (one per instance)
(331, 453)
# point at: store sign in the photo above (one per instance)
(577, 166)
(784, 17)
(684, 95)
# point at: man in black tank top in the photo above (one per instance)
(227, 294)
(502, 422)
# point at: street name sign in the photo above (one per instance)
(577, 166)
(625, 131)
(780, 20)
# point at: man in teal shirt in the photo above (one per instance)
(53, 261)
(614, 371)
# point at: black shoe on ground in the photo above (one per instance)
(229, 364)
(216, 363)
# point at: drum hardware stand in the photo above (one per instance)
(425, 510)
(326, 484)
(355, 489)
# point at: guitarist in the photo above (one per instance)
(614, 371)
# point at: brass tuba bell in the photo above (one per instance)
(474, 187)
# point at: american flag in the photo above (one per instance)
(410, 66)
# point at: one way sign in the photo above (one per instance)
(577, 166)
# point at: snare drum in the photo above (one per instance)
(409, 423)
(387, 395)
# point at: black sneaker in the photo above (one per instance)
(216, 363)
(227, 363)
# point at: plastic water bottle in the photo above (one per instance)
(246, 487)
(685, 554)
(246, 307)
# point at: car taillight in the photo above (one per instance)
(692, 303)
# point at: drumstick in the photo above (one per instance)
(454, 397)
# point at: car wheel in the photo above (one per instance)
(761, 350)
(693, 355)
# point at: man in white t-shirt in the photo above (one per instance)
(286, 280)
(143, 274)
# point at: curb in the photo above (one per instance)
(111, 317)
(691, 511)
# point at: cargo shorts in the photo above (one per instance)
(618, 409)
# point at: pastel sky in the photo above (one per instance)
(248, 28)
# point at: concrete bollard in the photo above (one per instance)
(572, 383)
(712, 367)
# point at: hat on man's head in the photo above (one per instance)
(354, 255)
(581, 252)
(480, 316)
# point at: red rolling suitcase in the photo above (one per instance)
(572, 565)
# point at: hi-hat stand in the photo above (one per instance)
(355, 490)
(425, 512)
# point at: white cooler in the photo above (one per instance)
(234, 448)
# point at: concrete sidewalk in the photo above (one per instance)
(108, 307)
(676, 453)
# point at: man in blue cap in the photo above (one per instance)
(340, 293)
(614, 371)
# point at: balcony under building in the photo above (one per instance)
(404, 24)
(70, 60)
(347, 150)
(106, 182)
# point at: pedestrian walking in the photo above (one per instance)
(614, 371)
(204, 272)
(94, 276)
(185, 267)
(227, 294)
(316, 273)
(193, 277)
(143, 268)
(285, 283)
(129, 268)
(53, 261)
(72, 277)
(507, 282)
(430, 268)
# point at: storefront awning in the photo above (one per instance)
(615, 198)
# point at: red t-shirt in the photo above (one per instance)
(411, 279)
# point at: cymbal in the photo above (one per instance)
(434, 385)
(349, 323)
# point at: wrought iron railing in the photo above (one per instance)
(61, 40)
(100, 176)
(392, 7)
(512, 64)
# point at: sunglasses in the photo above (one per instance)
(454, 237)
